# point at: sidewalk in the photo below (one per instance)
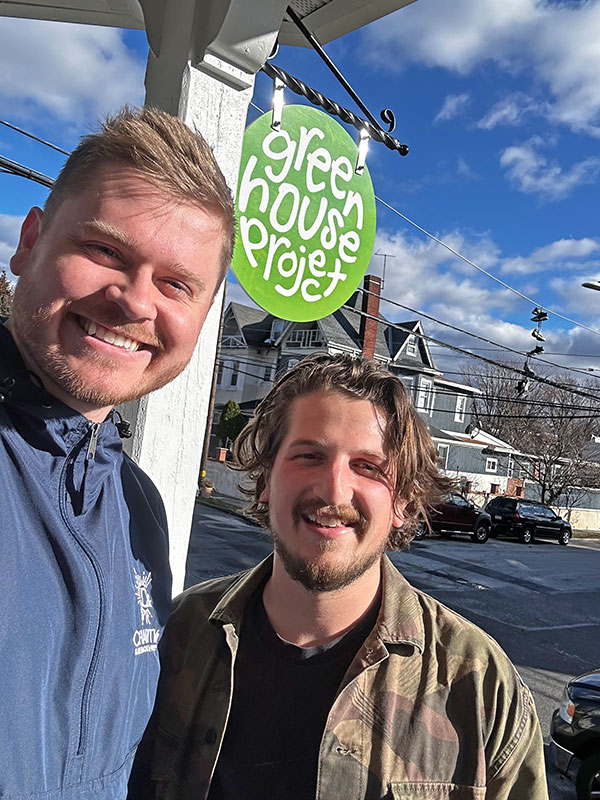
(224, 502)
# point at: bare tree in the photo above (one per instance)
(548, 425)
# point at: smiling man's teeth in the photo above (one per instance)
(325, 521)
(98, 332)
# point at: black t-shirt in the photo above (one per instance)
(282, 697)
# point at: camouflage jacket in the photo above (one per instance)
(430, 708)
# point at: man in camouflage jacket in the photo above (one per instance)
(427, 705)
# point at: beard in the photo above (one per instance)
(316, 574)
(98, 383)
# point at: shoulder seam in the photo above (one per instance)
(511, 745)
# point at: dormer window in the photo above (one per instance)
(276, 329)
(411, 345)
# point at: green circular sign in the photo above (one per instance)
(306, 220)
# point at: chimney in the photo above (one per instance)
(370, 305)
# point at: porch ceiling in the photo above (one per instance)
(327, 19)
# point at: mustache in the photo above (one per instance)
(346, 512)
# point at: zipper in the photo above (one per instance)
(91, 451)
(89, 680)
(94, 430)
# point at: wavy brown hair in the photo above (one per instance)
(418, 480)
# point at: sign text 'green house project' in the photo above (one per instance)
(306, 219)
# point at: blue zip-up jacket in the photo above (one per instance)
(85, 591)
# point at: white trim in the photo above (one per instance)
(456, 385)
(491, 465)
(443, 459)
(425, 397)
(461, 407)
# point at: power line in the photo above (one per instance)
(548, 352)
(451, 411)
(472, 263)
(538, 378)
(484, 271)
(14, 168)
(227, 359)
(37, 138)
(468, 333)
(505, 367)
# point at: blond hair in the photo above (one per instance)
(418, 480)
(173, 158)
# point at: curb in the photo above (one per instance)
(227, 509)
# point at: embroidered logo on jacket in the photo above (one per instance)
(145, 639)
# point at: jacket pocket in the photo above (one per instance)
(434, 791)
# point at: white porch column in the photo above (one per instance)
(204, 55)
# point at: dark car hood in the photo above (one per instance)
(590, 680)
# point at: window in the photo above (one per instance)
(425, 395)
(234, 374)
(461, 404)
(443, 454)
(519, 491)
(411, 345)
(305, 337)
(467, 487)
(276, 328)
(491, 465)
(494, 489)
(457, 500)
(220, 373)
(268, 374)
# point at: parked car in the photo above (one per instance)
(456, 514)
(575, 734)
(527, 519)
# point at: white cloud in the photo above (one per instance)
(235, 293)
(511, 110)
(73, 72)
(576, 299)
(555, 42)
(10, 226)
(454, 104)
(533, 174)
(553, 256)
(425, 277)
(463, 169)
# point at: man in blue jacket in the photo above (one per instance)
(116, 277)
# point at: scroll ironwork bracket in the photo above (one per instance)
(297, 86)
(369, 126)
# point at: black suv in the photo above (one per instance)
(527, 520)
(456, 514)
(575, 732)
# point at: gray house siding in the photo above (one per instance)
(444, 414)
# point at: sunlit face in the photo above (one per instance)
(113, 291)
(330, 492)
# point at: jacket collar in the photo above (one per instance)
(400, 620)
(42, 418)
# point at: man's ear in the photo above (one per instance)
(265, 494)
(398, 513)
(30, 233)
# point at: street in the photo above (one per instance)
(538, 601)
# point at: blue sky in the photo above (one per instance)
(499, 103)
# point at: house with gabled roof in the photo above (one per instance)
(256, 347)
